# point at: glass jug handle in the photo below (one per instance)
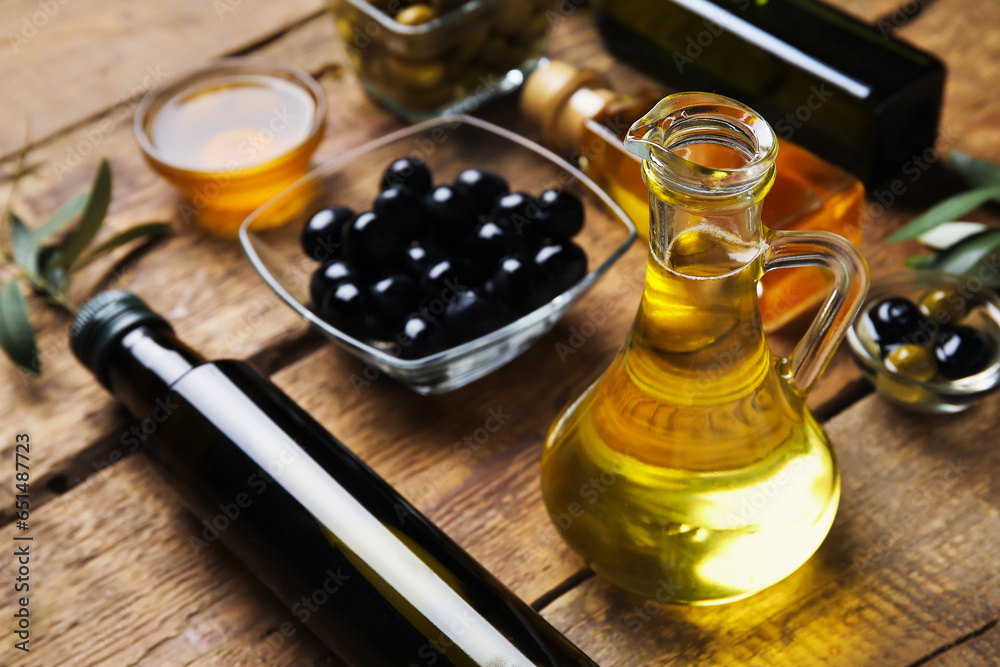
(789, 249)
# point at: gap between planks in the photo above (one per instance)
(978, 632)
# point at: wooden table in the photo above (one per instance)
(908, 576)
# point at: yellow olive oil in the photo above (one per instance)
(712, 477)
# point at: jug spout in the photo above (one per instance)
(705, 146)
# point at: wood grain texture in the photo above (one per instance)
(123, 587)
(69, 60)
(965, 36)
(903, 572)
(980, 650)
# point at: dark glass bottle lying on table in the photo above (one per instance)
(357, 564)
(847, 91)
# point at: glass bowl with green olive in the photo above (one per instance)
(929, 341)
(423, 59)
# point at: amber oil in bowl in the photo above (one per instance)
(231, 135)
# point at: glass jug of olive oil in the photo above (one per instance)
(692, 465)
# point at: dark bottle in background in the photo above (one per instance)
(355, 562)
(853, 95)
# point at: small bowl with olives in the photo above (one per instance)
(440, 252)
(929, 341)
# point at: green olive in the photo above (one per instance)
(414, 74)
(911, 361)
(416, 15)
(346, 30)
(943, 306)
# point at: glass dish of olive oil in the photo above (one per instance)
(231, 135)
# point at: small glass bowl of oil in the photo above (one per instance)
(447, 146)
(916, 380)
(231, 135)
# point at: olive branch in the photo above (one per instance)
(44, 262)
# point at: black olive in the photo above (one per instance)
(520, 212)
(321, 235)
(348, 307)
(961, 352)
(400, 205)
(371, 243)
(421, 338)
(484, 187)
(451, 214)
(409, 172)
(471, 315)
(897, 320)
(393, 298)
(565, 264)
(561, 213)
(520, 283)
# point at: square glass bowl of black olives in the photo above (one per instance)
(929, 341)
(440, 252)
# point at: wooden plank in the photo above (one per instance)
(902, 572)
(114, 582)
(967, 38)
(981, 650)
(69, 61)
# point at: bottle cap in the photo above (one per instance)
(102, 322)
(559, 98)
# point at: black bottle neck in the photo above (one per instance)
(145, 363)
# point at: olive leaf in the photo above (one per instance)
(23, 252)
(26, 248)
(977, 173)
(946, 211)
(90, 220)
(966, 256)
(16, 335)
(918, 261)
(121, 238)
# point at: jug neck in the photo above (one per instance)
(708, 162)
